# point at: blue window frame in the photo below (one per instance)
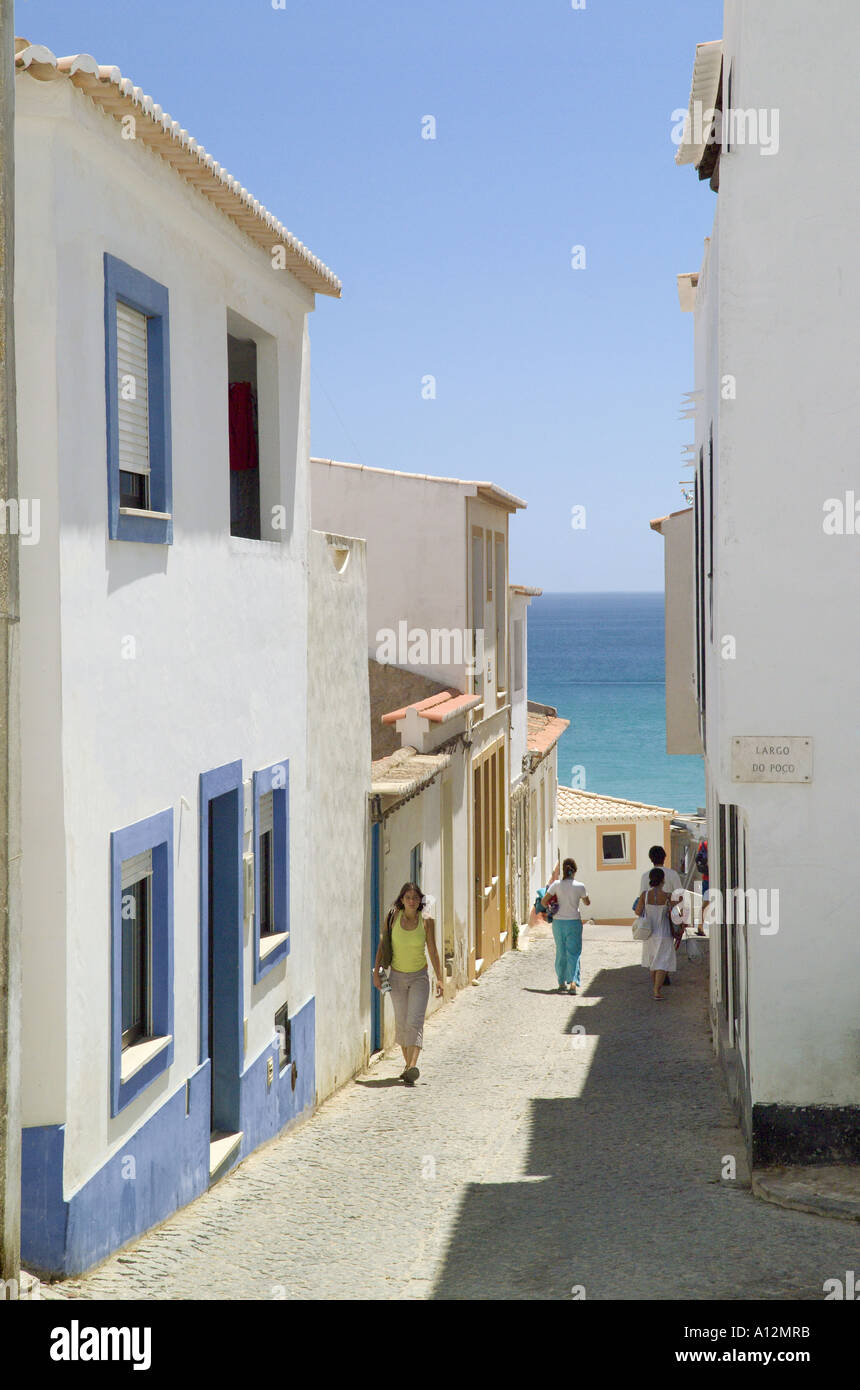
(271, 867)
(152, 946)
(125, 285)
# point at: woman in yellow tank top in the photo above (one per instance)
(407, 939)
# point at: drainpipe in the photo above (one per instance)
(10, 922)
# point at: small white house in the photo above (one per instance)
(610, 838)
(170, 1015)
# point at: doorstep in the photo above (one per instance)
(823, 1190)
(222, 1146)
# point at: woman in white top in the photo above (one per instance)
(658, 951)
(567, 925)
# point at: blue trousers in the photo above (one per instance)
(568, 948)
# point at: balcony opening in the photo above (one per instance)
(244, 438)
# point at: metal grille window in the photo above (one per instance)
(136, 946)
(133, 406)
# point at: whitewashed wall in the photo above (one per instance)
(338, 788)
(612, 891)
(416, 534)
(544, 829)
(783, 274)
(220, 624)
(417, 821)
(682, 720)
(518, 612)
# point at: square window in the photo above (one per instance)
(137, 379)
(616, 846)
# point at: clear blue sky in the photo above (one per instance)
(553, 130)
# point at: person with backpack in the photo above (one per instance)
(404, 944)
(567, 925)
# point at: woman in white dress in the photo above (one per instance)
(658, 950)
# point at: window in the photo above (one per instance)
(478, 605)
(256, 479)
(501, 616)
(284, 1033)
(142, 956)
(489, 566)
(136, 938)
(244, 438)
(133, 407)
(533, 824)
(477, 579)
(137, 355)
(616, 846)
(272, 860)
(416, 864)
(264, 853)
(518, 653)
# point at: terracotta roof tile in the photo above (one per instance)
(437, 709)
(575, 805)
(544, 731)
(405, 772)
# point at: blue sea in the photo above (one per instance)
(599, 659)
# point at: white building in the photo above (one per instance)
(609, 838)
(773, 567)
(437, 567)
(171, 866)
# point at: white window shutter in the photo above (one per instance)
(133, 389)
(136, 868)
(265, 813)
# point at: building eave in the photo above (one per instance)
(488, 491)
(704, 97)
(118, 97)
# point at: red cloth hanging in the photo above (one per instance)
(243, 430)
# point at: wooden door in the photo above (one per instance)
(489, 817)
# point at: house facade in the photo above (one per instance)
(438, 610)
(609, 837)
(772, 567)
(171, 927)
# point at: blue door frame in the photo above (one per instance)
(221, 890)
(375, 996)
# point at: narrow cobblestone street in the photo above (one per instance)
(527, 1160)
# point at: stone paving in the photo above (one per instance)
(530, 1161)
